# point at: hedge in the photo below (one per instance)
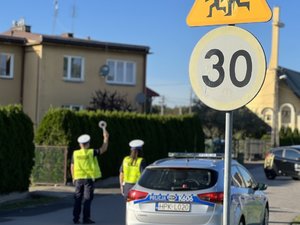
(160, 133)
(288, 136)
(16, 149)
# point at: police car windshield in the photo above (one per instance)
(178, 179)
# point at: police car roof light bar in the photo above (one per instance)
(195, 155)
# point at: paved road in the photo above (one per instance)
(284, 196)
(106, 210)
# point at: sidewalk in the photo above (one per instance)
(252, 164)
(106, 186)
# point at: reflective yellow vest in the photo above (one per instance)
(131, 172)
(85, 164)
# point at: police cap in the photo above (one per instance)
(136, 144)
(85, 138)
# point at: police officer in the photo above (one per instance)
(132, 167)
(84, 170)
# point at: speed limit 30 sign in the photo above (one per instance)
(227, 68)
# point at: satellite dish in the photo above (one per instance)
(104, 70)
(140, 98)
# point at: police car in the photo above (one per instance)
(187, 188)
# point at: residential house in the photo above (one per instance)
(42, 71)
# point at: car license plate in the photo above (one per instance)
(172, 206)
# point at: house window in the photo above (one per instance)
(73, 107)
(6, 65)
(286, 115)
(121, 72)
(73, 68)
(267, 117)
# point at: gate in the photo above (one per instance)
(50, 165)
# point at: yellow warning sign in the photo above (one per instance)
(216, 12)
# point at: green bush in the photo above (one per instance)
(16, 149)
(160, 133)
(288, 136)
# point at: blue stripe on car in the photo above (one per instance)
(173, 198)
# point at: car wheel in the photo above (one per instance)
(266, 217)
(296, 178)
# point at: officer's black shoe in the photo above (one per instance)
(88, 221)
(76, 221)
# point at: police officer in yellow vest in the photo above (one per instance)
(131, 167)
(84, 170)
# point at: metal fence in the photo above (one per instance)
(249, 149)
(252, 149)
(50, 165)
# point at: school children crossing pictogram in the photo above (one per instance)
(238, 3)
(216, 5)
(230, 5)
(217, 12)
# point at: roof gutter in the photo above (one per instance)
(93, 44)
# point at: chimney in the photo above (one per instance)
(20, 26)
(67, 35)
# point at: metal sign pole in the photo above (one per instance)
(227, 167)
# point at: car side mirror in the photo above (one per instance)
(260, 187)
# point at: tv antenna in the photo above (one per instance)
(73, 15)
(55, 14)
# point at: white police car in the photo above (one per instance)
(188, 189)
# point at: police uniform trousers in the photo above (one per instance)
(84, 193)
(126, 189)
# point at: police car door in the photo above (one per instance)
(254, 205)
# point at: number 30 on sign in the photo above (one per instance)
(227, 68)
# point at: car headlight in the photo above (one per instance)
(297, 167)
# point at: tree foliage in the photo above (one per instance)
(104, 100)
(245, 122)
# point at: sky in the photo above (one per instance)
(158, 24)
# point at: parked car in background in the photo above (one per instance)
(283, 161)
(187, 189)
